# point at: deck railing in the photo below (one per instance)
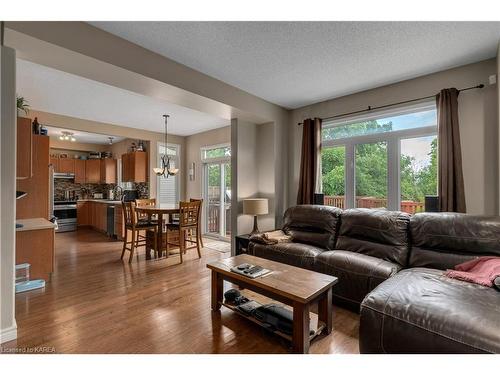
(410, 207)
(214, 218)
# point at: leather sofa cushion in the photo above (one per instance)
(312, 224)
(443, 240)
(419, 310)
(378, 233)
(358, 274)
(294, 254)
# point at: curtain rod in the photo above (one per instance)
(370, 108)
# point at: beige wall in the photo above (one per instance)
(498, 97)
(194, 143)
(265, 172)
(132, 134)
(478, 117)
(76, 146)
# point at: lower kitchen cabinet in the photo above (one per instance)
(95, 214)
(82, 213)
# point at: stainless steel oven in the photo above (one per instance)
(65, 212)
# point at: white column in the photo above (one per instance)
(8, 328)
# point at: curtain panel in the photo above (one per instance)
(310, 164)
(450, 176)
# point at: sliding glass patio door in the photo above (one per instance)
(217, 192)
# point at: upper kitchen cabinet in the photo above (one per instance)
(79, 171)
(24, 164)
(93, 171)
(66, 165)
(134, 167)
(108, 171)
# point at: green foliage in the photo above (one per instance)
(22, 105)
(371, 166)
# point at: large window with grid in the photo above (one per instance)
(382, 160)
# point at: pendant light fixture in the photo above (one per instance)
(165, 170)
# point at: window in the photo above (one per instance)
(383, 160)
(216, 153)
(168, 188)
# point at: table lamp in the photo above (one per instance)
(255, 206)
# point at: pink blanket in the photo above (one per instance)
(480, 271)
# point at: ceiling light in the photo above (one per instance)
(110, 140)
(67, 136)
(165, 169)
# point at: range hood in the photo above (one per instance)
(64, 175)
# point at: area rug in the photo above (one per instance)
(223, 247)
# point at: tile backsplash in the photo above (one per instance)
(83, 191)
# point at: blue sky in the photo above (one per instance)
(412, 120)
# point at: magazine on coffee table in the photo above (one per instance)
(249, 270)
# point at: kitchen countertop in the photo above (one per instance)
(99, 201)
(34, 224)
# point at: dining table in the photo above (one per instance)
(160, 210)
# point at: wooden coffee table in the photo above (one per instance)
(293, 286)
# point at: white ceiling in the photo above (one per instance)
(58, 92)
(298, 63)
(83, 137)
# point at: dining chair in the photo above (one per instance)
(135, 226)
(198, 231)
(146, 203)
(188, 221)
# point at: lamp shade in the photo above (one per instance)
(255, 206)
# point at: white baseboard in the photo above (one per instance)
(8, 334)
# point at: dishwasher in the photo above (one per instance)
(110, 220)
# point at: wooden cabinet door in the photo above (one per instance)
(82, 213)
(66, 165)
(24, 163)
(126, 168)
(108, 171)
(139, 166)
(79, 171)
(55, 164)
(93, 171)
(119, 227)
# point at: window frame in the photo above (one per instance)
(177, 159)
(393, 140)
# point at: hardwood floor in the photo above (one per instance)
(97, 303)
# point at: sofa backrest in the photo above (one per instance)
(379, 233)
(443, 240)
(312, 224)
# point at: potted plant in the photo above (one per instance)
(22, 105)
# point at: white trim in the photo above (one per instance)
(8, 334)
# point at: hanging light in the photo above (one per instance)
(165, 169)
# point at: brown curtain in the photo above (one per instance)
(450, 180)
(310, 162)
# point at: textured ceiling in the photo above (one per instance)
(298, 63)
(54, 91)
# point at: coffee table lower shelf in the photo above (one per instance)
(315, 328)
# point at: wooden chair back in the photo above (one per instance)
(189, 213)
(145, 203)
(201, 205)
(129, 214)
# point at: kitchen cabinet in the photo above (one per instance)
(93, 171)
(36, 201)
(55, 164)
(66, 165)
(82, 213)
(135, 167)
(35, 245)
(24, 162)
(119, 225)
(79, 171)
(108, 171)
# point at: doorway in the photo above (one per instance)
(217, 191)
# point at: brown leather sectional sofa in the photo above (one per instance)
(391, 264)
